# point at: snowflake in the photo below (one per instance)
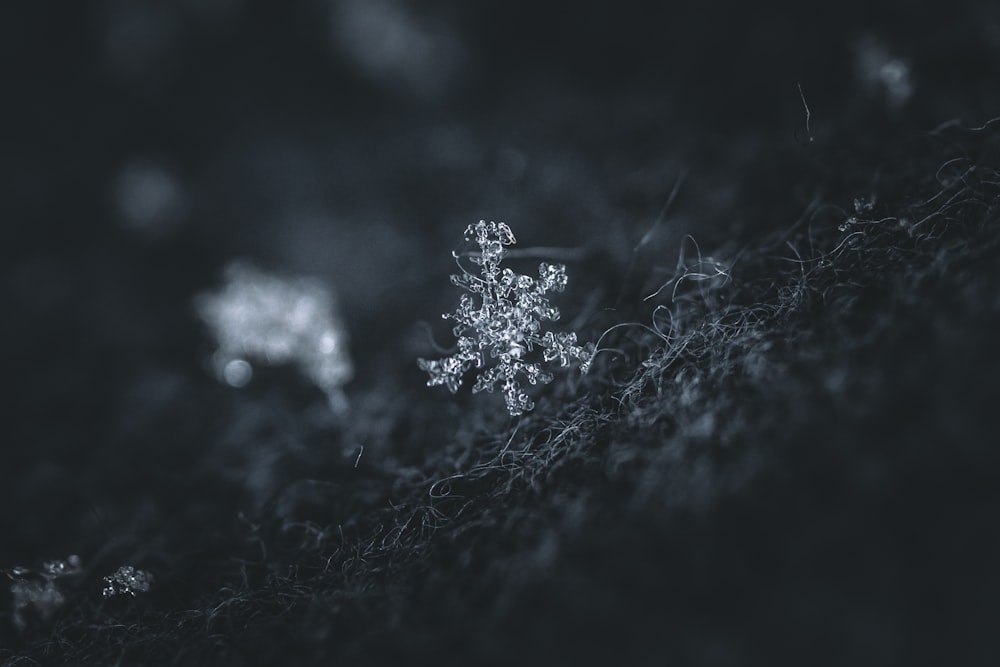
(504, 323)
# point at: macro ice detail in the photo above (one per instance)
(127, 580)
(505, 323)
(274, 320)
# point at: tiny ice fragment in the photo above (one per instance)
(60, 568)
(127, 580)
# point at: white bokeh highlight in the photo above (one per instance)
(258, 317)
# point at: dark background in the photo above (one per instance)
(838, 507)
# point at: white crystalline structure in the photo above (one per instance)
(264, 318)
(127, 580)
(501, 318)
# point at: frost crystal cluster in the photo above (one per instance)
(505, 323)
(127, 580)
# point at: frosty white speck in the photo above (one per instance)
(127, 580)
(269, 319)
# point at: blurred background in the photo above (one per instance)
(147, 144)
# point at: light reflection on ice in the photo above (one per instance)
(237, 373)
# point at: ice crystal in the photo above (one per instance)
(505, 323)
(127, 580)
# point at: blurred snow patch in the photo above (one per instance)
(881, 74)
(510, 164)
(257, 316)
(398, 49)
(149, 199)
(139, 35)
(38, 595)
